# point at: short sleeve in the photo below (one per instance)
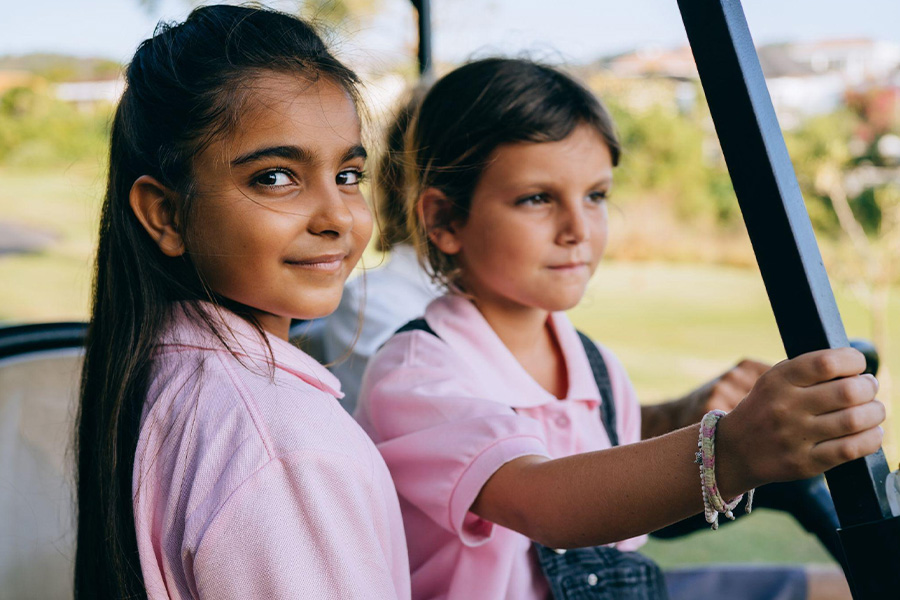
(300, 527)
(440, 440)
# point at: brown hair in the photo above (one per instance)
(471, 111)
(390, 185)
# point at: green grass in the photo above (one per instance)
(673, 326)
(677, 326)
(54, 284)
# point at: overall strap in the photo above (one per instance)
(417, 325)
(601, 376)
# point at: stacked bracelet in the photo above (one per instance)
(713, 504)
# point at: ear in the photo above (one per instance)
(434, 212)
(153, 205)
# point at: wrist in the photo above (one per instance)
(734, 474)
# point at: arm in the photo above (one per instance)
(723, 393)
(799, 420)
(304, 526)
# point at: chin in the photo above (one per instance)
(559, 304)
(564, 299)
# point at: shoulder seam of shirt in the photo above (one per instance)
(413, 344)
(248, 401)
(213, 517)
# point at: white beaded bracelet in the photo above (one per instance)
(713, 503)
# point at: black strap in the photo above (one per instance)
(418, 325)
(601, 376)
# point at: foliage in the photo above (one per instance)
(820, 140)
(669, 155)
(60, 67)
(36, 129)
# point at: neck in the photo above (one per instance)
(518, 327)
(275, 324)
(527, 334)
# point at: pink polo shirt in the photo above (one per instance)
(250, 480)
(447, 412)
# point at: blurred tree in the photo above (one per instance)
(668, 154)
(853, 192)
(38, 130)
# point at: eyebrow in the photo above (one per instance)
(356, 151)
(294, 153)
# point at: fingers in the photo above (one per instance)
(732, 386)
(840, 394)
(832, 453)
(849, 421)
(823, 365)
(752, 367)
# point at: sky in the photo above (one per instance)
(570, 30)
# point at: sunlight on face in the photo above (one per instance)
(279, 220)
(538, 223)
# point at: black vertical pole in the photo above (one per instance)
(423, 12)
(791, 266)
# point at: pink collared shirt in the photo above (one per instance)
(250, 480)
(446, 412)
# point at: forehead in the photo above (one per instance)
(283, 109)
(583, 148)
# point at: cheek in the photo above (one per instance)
(362, 225)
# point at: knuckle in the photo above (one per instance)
(850, 391)
(851, 421)
(848, 451)
(826, 365)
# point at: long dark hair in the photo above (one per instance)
(474, 109)
(184, 89)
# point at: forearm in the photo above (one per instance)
(660, 419)
(599, 497)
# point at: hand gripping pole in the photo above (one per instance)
(791, 267)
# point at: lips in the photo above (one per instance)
(323, 262)
(569, 266)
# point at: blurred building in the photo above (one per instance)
(804, 78)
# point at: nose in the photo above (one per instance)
(331, 216)
(573, 226)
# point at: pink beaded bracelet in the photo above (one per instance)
(713, 503)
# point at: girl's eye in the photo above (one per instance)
(533, 200)
(598, 196)
(350, 177)
(274, 178)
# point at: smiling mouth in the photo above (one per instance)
(327, 263)
(569, 266)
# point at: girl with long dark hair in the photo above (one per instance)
(213, 459)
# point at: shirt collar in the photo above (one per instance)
(461, 325)
(241, 338)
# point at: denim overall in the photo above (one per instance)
(600, 572)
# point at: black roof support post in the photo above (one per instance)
(791, 266)
(423, 12)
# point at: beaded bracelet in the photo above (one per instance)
(713, 503)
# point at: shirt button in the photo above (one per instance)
(562, 421)
(559, 550)
(592, 579)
